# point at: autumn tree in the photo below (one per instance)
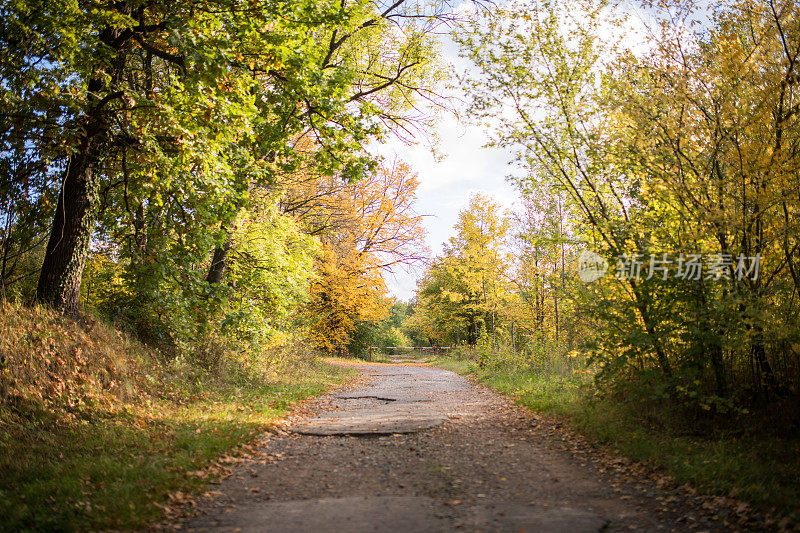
(542, 274)
(467, 288)
(370, 66)
(679, 150)
(270, 264)
(79, 87)
(722, 115)
(146, 111)
(367, 227)
(341, 296)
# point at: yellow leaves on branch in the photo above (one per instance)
(342, 295)
(381, 223)
(366, 228)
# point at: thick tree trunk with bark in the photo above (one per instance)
(60, 278)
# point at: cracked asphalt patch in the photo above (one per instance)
(402, 402)
(422, 449)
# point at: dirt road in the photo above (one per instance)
(422, 449)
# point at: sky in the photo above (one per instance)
(462, 168)
(465, 166)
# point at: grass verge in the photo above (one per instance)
(74, 456)
(759, 469)
(116, 468)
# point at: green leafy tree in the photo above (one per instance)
(162, 115)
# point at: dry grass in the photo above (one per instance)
(63, 366)
(98, 432)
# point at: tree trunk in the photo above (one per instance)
(717, 365)
(494, 333)
(472, 332)
(219, 261)
(768, 383)
(62, 268)
(555, 293)
(555, 312)
(641, 305)
(60, 278)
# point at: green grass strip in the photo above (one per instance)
(112, 470)
(761, 470)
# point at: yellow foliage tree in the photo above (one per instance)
(467, 287)
(366, 227)
(341, 296)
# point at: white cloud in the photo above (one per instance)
(447, 183)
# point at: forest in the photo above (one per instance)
(195, 221)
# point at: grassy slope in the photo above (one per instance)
(758, 469)
(104, 447)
